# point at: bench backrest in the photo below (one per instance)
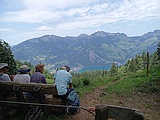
(28, 87)
(18, 88)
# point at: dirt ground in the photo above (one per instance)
(148, 104)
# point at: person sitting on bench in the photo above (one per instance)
(3, 73)
(37, 76)
(63, 80)
(23, 76)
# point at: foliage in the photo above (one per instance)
(49, 81)
(113, 70)
(19, 63)
(137, 82)
(6, 56)
(158, 51)
(86, 81)
(153, 60)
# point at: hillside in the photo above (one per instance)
(148, 104)
(134, 91)
(97, 49)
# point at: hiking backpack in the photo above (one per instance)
(73, 102)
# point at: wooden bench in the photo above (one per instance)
(13, 95)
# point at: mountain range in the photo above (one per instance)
(98, 49)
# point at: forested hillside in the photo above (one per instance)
(97, 49)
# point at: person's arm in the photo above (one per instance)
(70, 85)
(11, 77)
(70, 81)
(43, 80)
(7, 78)
(54, 77)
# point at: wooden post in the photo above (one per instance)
(147, 63)
(103, 112)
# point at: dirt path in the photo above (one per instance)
(148, 104)
(89, 100)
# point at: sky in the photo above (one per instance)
(21, 20)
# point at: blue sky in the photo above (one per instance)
(26, 19)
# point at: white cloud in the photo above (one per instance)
(70, 16)
(6, 29)
(104, 13)
(44, 28)
(56, 4)
(40, 11)
(30, 16)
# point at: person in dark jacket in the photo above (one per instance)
(37, 76)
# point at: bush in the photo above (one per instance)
(77, 83)
(86, 81)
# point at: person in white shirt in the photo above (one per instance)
(63, 81)
(22, 76)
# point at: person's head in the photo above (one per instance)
(4, 67)
(24, 69)
(66, 67)
(40, 68)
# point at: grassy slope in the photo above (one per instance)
(137, 82)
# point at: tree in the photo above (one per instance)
(158, 51)
(133, 66)
(113, 70)
(6, 56)
(127, 65)
(153, 59)
(139, 62)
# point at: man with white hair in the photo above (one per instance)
(63, 81)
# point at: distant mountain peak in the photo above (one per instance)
(99, 33)
(83, 36)
(104, 34)
(152, 34)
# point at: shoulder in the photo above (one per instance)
(69, 74)
(5, 75)
(26, 75)
(36, 74)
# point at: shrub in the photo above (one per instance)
(86, 81)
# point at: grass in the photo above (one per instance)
(123, 83)
(136, 82)
(49, 81)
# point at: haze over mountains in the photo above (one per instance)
(97, 49)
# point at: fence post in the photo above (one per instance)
(101, 112)
(147, 62)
